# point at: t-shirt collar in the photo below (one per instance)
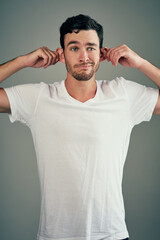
(70, 98)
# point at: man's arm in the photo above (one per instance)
(6, 70)
(42, 57)
(152, 73)
(4, 102)
(126, 57)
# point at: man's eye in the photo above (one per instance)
(90, 49)
(74, 49)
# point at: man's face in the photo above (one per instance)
(82, 54)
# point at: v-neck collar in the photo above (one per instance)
(70, 98)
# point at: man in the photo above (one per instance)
(81, 129)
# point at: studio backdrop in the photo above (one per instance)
(28, 25)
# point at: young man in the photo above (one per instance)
(81, 129)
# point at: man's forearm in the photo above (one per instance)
(11, 67)
(150, 71)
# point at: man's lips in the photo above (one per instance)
(85, 66)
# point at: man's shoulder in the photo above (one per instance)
(41, 86)
(116, 83)
(33, 89)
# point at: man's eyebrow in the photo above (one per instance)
(87, 44)
(72, 42)
(91, 44)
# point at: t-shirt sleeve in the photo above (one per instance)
(141, 99)
(23, 100)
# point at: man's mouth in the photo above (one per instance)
(84, 65)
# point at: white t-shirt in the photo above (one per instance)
(81, 150)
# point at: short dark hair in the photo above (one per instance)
(80, 22)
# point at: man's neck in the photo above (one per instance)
(81, 90)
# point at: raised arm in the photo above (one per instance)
(128, 58)
(42, 57)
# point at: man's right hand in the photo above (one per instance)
(42, 57)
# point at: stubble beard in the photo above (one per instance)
(83, 75)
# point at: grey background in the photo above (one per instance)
(28, 25)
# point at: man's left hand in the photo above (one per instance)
(123, 55)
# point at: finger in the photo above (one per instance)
(115, 56)
(120, 52)
(42, 55)
(116, 53)
(55, 56)
(50, 57)
(111, 51)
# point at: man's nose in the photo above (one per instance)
(83, 56)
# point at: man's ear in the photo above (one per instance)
(103, 54)
(61, 54)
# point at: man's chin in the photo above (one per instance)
(83, 76)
